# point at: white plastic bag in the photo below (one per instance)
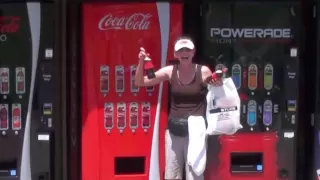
(223, 109)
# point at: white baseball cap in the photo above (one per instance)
(183, 43)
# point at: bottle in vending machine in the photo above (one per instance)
(133, 109)
(16, 116)
(268, 77)
(20, 80)
(108, 116)
(5, 81)
(119, 79)
(146, 115)
(252, 77)
(236, 75)
(4, 117)
(121, 116)
(267, 114)
(252, 111)
(104, 79)
(133, 88)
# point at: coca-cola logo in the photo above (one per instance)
(136, 21)
(8, 24)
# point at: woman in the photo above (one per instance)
(188, 97)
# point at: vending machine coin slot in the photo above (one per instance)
(47, 109)
(246, 162)
(291, 105)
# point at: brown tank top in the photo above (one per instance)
(187, 99)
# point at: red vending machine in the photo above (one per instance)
(122, 125)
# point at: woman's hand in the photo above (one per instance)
(143, 55)
(214, 82)
(207, 77)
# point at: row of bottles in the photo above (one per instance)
(254, 79)
(5, 117)
(19, 81)
(120, 78)
(137, 112)
(252, 75)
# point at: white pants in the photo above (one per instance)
(176, 158)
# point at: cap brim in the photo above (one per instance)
(180, 45)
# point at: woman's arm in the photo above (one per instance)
(206, 74)
(141, 80)
(161, 75)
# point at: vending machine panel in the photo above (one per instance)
(123, 125)
(260, 44)
(27, 90)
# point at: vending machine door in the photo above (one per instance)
(259, 43)
(123, 125)
(26, 91)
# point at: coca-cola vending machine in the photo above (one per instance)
(123, 125)
(26, 91)
(260, 45)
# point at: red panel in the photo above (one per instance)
(112, 36)
(247, 142)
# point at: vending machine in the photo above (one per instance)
(26, 91)
(260, 45)
(123, 125)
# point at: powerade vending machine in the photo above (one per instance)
(259, 44)
(26, 91)
(123, 125)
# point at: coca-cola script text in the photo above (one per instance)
(9, 24)
(136, 21)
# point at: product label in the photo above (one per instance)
(16, 116)
(4, 117)
(253, 77)
(134, 109)
(268, 77)
(108, 115)
(119, 79)
(4, 81)
(20, 80)
(236, 75)
(252, 113)
(267, 113)
(146, 115)
(104, 79)
(121, 115)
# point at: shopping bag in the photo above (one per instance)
(223, 109)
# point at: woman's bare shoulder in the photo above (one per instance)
(205, 69)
